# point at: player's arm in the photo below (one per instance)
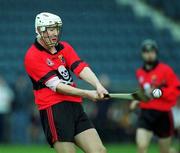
(56, 85)
(171, 88)
(134, 104)
(88, 75)
(81, 70)
(69, 90)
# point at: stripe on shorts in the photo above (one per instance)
(171, 131)
(52, 124)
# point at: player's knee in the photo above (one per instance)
(165, 150)
(142, 150)
(142, 146)
(142, 143)
(100, 149)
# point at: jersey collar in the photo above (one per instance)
(58, 47)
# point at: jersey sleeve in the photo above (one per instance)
(171, 89)
(38, 70)
(73, 60)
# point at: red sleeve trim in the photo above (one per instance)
(80, 67)
(76, 64)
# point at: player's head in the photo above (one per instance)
(149, 51)
(48, 27)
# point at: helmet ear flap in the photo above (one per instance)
(41, 29)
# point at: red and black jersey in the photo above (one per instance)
(161, 76)
(41, 66)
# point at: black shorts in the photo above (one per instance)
(160, 123)
(62, 121)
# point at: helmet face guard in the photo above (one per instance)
(46, 37)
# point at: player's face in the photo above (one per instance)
(51, 35)
(149, 56)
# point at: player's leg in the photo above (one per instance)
(144, 131)
(90, 142)
(86, 137)
(143, 138)
(64, 147)
(164, 130)
(164, 145)
(58, 125)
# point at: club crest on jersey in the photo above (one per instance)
(154, 78)
(49, 62)
(61, 59)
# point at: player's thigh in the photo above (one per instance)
(164, 144)
(164, 126)
(64, 147)
(90, 142)
(143, 137)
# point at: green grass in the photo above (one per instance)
(112, 148)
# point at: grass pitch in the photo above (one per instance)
(112, 148)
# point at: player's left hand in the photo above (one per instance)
(133, 105)
(101, 91)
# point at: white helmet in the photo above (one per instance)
(46, 19)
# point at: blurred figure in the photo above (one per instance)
(35, 129)
(101, 121)
(21, 110)
(155, 117)
(113, 119)
(176, 117)
(22, 93)
(119, 114)
(6, 98)
(176, 114)
(102, 108)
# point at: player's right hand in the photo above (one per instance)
(92, 95)
(101, 91)
(133, 105)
